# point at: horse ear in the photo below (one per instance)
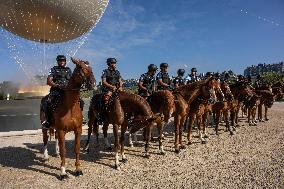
(74, 61)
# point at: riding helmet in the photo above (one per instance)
(180, 71)
(152, 67)
(193, 70)
(111, 61)
(164, 65)
(60, 57)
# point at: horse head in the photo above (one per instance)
(83, 73)
(209, 88)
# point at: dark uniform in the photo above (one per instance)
(192, 78)
(165, 79)
(179, 80)
(148, 82)
(112, 77)
(60, 76)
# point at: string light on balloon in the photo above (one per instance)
(261, 18)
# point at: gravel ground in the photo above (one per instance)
(253, 158)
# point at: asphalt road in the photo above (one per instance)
(19, 115)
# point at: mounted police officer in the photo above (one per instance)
(147, 81)
(192, 77)
(179, 80)
(163, 78)
(57, 79)
(111, 80)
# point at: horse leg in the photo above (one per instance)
(122, 138)
(217, 121)
(177, 128)
(232, 116)
(62, 149)
(260, 113)
(206, 123)
(226, 116)
(130, 140)
(182, 120)
(45, 144)
(249, 116)
(56, 144)
(106, 142)
(190, 125)
(148, 138)
(253, 116)
(199, 122)
(160, 126)
(78, 171)
(265, 113)
(116, 145)
(90, 129)
(184, 125)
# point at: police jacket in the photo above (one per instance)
(112, 76)
(61, 76)
(179, 81)
(165, 79)
(148, 82)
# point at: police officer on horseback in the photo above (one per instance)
(179, 80)
(147, 81)
(163, 78)
(111, 80)
(57, 79)
(193, 77)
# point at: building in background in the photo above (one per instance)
(262, 69)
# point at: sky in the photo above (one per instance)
(211, 35)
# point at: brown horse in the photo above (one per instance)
(130, 111)
(68, 115)
(163, 103)
(224, 106)
(241, 92)
(185, 95)
(251, 105)
(267, 100)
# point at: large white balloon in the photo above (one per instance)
(50, 21)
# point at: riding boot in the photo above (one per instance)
(46, 123)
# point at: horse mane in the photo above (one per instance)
(191, 86)
(134, 103)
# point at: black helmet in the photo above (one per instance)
(217, 75)
(152, 67)
(209, 74)
(180, 71)
(110, 61)
(227, 75)
(60, 57)
(164, 65)
(193, 70)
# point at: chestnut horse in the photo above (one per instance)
(267, 99)
(68, 115)
(185, 95)
(128, 111)
(224, 106)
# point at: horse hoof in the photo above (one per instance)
(163, 153)
(231, 133)
(147, 156)
(203, 142)
(109, 148)
(177, 151)
(206, 136)
(189, 143)
(78, 173)
(124, 160)
(183, 147)
(63, 177)
(234, 128)
(117, 167)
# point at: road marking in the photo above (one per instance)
(13, 115)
